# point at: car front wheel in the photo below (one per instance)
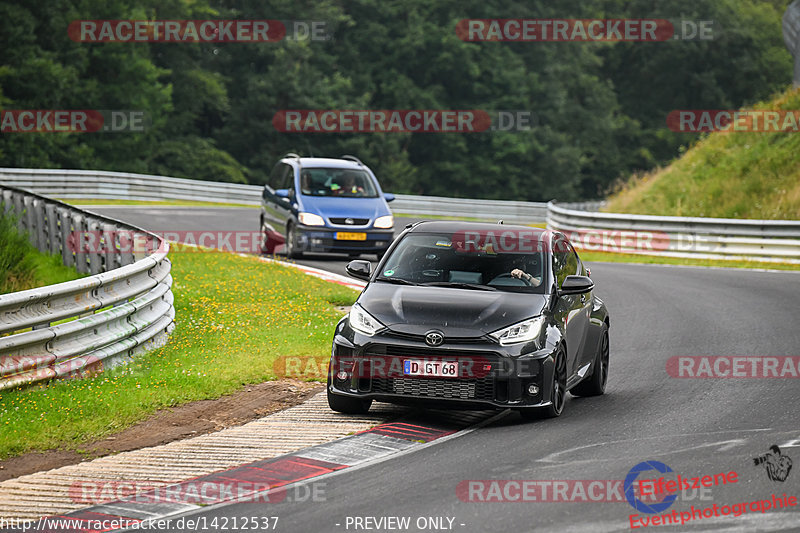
(291, 243)
(346, 404)
(558, 391)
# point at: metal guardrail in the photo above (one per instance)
(764, 240)
(91, 184)
(509, 211)
(704, 238)
(94, 184)
(123, 308)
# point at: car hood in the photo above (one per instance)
(456, 312)
(327, 206)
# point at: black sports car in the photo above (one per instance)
(471, 315)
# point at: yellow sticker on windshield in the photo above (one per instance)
(446, 244)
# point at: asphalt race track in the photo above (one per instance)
(163, 219)
(698, 427)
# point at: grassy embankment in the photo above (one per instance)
(750, 175)
(725, 174)
(236, 316)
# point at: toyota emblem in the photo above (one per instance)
(434, 338)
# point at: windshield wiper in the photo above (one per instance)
(398, 281)
(460, 285)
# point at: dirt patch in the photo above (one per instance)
(181, 422)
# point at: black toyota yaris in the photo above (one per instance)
(471, 315)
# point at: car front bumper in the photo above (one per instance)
(323, 239)
(490, 375)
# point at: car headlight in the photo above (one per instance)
(384, 222)
(524, 331)
(310, 219)
(363, 322)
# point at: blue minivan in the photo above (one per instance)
(314, 204)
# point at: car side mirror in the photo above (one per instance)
(359, 269)
(576, 285)
(389, 197)
(283, 194)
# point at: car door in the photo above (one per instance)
(277, 210)
(571, 308)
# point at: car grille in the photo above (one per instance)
(421, 338)
(480, 387)
(356, 221)
(464, 389)
(414, 351)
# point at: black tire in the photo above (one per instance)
(558, 393)
(346, 404)
(267, 245)
(291, 243)
(595, 385)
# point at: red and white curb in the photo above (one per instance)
(317, 273)
(265, 481)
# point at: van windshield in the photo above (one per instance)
(345, 183)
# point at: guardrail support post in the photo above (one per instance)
(68, 237)
(96, 258)
(28, 219)
(53, 236)
(79, 231)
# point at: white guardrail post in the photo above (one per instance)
(703, 238)
(96, 322)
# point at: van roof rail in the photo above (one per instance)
(353, 158)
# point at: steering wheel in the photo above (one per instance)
(509, 276)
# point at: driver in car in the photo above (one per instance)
(534, 279)
(349, 186)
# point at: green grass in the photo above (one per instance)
(725, 174)
(24, 267)
(236, 317)
(187, 203)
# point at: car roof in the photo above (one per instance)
(325, 162)
(458, 225)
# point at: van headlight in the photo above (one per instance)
(310, 219)
(524, 331)
(385, 222)
(363, 322)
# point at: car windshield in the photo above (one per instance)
(451, 259)
(345, 183)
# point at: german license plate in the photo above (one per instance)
(439, 369)
(346, 236)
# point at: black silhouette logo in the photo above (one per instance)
(776, 464)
